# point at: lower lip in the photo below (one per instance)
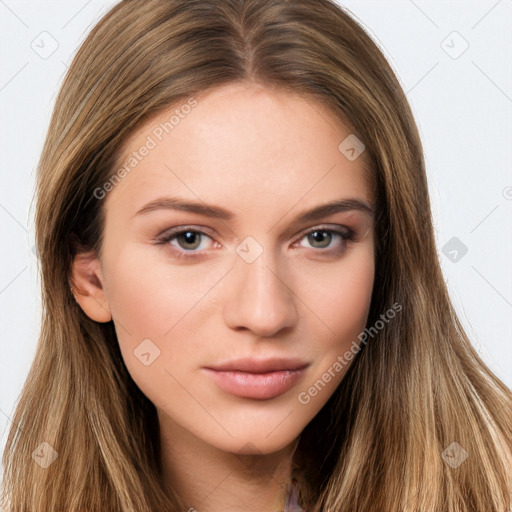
(259, 386)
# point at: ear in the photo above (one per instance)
(87, 286)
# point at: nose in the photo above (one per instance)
(259, 298)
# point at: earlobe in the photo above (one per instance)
(87, 287)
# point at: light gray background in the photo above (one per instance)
(462, 101)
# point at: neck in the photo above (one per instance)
(213, 480)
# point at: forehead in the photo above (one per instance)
(240, 142)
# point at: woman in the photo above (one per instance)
(243, 305)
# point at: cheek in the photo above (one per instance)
(165, 304)
(150, 297)
(340, 298)
(343, 305)
(350, 299)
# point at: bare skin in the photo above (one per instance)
(266, 156)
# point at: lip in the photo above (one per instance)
(259, 379)
(252, 365)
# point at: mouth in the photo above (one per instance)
(257, 379)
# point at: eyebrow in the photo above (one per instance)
(208, 210)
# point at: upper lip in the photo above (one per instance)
(260, 365)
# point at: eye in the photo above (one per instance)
(187, 241)
(324, 238)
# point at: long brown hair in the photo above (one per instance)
(415, 390)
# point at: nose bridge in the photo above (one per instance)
(260, 299)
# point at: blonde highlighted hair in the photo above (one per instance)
(416, 387)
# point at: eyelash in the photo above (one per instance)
(346, 235)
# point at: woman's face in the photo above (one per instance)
(243, 274)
